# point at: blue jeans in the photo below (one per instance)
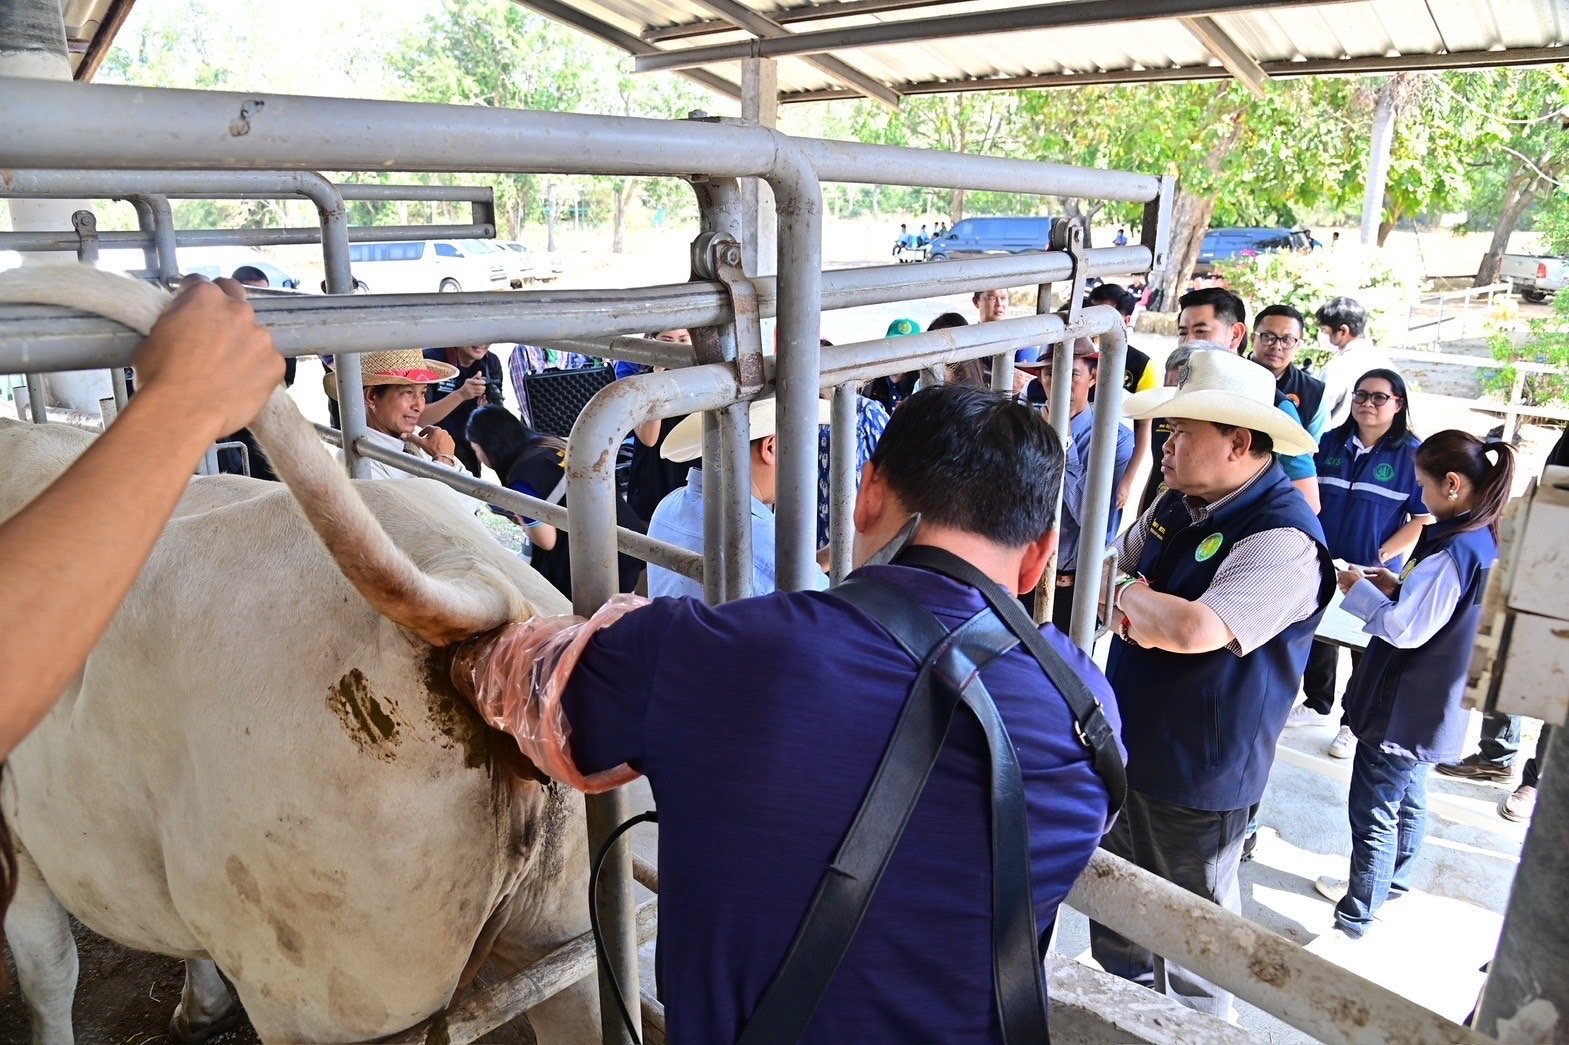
(1387, 809)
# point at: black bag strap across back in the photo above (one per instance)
(949, 675)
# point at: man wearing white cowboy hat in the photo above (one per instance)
(394, 391)
(679, 517)
(1226, 578)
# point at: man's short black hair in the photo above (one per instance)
(1228, 307)
(1343, 312)
(1115, 295)
(1280, 310)
(975, 461)
(1260, 444)
(250, 274)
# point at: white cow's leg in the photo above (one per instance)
(206, 1007)
(39, 932)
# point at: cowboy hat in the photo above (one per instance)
(1223, 388)
(685, 441)
(1083, 348)
(404, 366)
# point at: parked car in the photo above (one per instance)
(422, 266)
(977, 237)
(213, 262)
(1233, 244)
(522, 261)
(1534, 277)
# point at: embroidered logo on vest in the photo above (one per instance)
(1384, 472)
(1208, 547)
(1332, 462)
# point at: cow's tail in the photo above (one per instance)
(440, 611)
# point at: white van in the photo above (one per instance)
(421, 266)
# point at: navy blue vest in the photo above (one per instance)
(1364, 500)
(1200, 728)
(1304, 390)
(1407, 701)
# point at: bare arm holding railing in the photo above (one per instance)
(205, 370)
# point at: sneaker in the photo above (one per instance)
(1475, 767)
(1520, 805)
(1330, 888)
(1344, 743)
(1302, 715)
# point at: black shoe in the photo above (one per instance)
(1475, 767)
(1249, 844)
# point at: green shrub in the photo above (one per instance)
(1547, 342)
(1306, 281)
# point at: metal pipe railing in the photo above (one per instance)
(630, 542)
(58, 241)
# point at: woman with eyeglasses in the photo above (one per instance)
(1372, 513)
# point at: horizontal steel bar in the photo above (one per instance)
(41, 338)
(114, 127)
(418, 193)
(638, 545)
(1017, 18)
(47, 241)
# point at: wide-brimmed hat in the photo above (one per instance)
(404, 366)
(685, 441)
(1226, 389)
(1083, 348)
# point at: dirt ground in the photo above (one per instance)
(126, 997)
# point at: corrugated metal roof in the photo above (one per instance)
(1123, 43)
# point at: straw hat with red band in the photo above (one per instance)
(405, 366)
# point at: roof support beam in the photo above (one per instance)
(1371, 66)
(916, 30)
(567, 15)
(1236, 61)
(768, 29)
(791, 16)
(102, 38)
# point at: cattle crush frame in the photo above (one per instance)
(132, 133)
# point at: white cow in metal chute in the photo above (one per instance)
(263, 767)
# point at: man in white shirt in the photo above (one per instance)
(395, 384)
(678, 519)
(1343, 324)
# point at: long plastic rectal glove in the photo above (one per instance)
(515, 679)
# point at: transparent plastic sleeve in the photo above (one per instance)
(515, 680)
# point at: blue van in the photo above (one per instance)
(977, 237)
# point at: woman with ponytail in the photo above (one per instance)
(1403, 703)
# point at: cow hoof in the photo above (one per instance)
(183, 1032)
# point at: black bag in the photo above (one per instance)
(552, 399)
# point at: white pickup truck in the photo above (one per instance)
(1534, 277)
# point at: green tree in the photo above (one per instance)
(493, 53)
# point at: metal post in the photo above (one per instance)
(163, 238)
(613, 412)
(716, 566)
(1096, 514)
(1533, 950)
(144, 221)
(799, 198)
(37, 399)
(1059, 402)
(735, 463)
(842, 450)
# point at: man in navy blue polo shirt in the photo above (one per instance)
(759, 724)
(1228, 576)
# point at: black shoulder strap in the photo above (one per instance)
(1095, 732)
(950, 666)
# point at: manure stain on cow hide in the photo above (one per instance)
(289, 939)
(244, 882)
(455, 720)
(373, 729)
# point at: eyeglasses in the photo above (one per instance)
(1376, 398)
(1269, 340)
